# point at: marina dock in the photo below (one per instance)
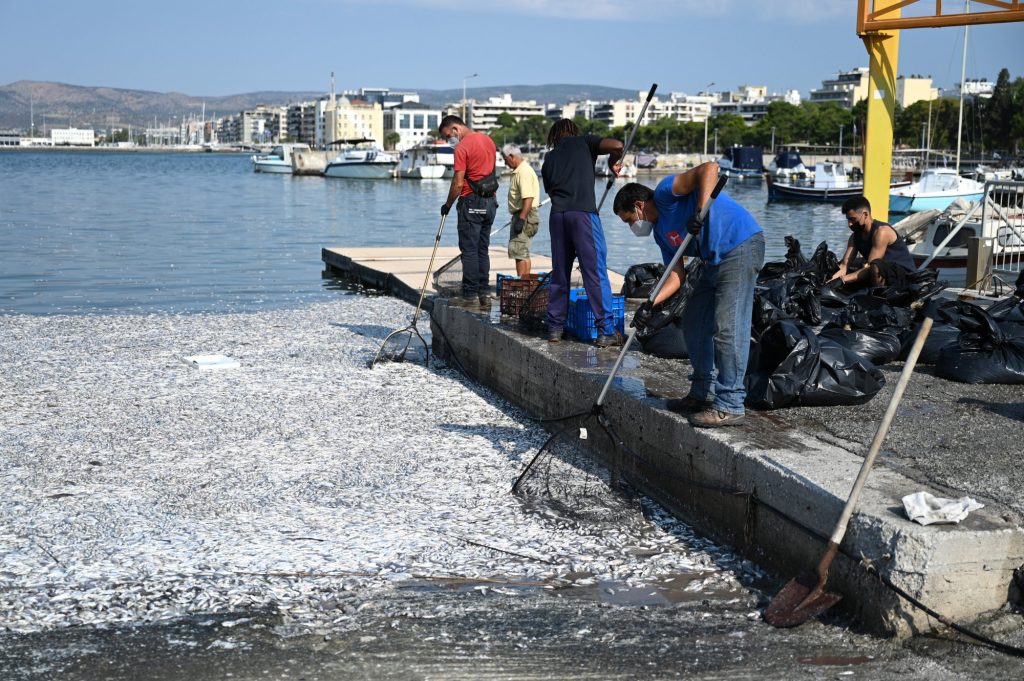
(773, 487)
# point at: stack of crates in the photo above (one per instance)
(580, 321)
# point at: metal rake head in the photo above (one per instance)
(397, 344)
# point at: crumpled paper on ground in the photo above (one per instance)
(927, 509)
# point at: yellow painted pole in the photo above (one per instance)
(883, 52)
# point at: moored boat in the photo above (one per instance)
(279, 160)
(362, 162)
(787, 164)
(831, 184)
(937, 188)
(422, 163)
(744, 163)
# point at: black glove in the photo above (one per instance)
(642, 316)
(694, 224)
(445, 208)
(517, 225)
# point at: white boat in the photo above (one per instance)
(939, 239)
(832, 183)
(422, 163)
(279, 160)
(787, 165)
(362, 162)
(601, 168)
(744, 163)
(937, 188)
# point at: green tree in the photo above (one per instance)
(391, 139)
(998, 113)
(506, 120)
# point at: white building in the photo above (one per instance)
(980, 87)
(846, 89)
(73, 137)
(750, 102)
(415, 124)
(679, 107)
(483, 116)
(344, 119)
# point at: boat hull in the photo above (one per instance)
(272, 167)
(426, 172)
(915, 204)
(781, 191)
(361, 170)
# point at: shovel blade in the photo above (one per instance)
(798, 602)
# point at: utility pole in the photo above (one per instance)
(707, 115)
(840, 143)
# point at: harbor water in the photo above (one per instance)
(93, 232)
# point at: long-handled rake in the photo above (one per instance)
(562, 471)
(397, 343)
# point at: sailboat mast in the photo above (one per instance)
(963, 86)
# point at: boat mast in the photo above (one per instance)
(963, 85)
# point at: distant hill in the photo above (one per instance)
(103, 107)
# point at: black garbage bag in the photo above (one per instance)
(879, 347)
(832, 297)
(913, 287)
(823, 263)
(791, 366)
(986, 350)
(797, 296)
(765, 314)
(641, 279)
(1010, 308)
(672, 309)
(868, 311)
(667, 342)
(794, 261)
(942, 334)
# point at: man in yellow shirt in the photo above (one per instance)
(523, 199)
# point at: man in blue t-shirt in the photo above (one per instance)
(716, 320)
(575, 227)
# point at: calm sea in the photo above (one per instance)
(94, 232)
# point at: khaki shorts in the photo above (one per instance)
(519, 246)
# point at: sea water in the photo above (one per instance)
(109, 232)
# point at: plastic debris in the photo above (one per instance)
(927, 509)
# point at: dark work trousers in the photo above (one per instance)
(476, 215)
(576, 234)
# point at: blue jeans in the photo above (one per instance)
(716, 325)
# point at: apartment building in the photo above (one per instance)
(344, 119)
(415, 123)
(483, 116)
(846, 89)
(910, 89)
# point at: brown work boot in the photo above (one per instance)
(687, 405)
(555, 335)
(609, 340)
(713, 418)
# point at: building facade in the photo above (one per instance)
(846, 89)
(74, 137)
(910, 89)
(345, 119)
(483, 116)
(415, 124)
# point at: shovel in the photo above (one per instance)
(805, 597)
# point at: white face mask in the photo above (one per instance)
(453, 141)
(641, 227)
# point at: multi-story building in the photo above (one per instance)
(679, 107)
(570, 110)
(846, 89)
(973, 87)
(751, 102)
(483, 116)
(302, 122)
(910, 89)
(346, 119)
(386, 97)
(415, 123)
(262, 125)
(75, 137)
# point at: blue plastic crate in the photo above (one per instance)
(580, 321)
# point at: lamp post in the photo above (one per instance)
(840, 143)
(773, 139)
(716, 141)
(464, 79)
(706, 117)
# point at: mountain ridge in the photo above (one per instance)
(101, 107)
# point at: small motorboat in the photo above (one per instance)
(787, 165)
(362, 162)
(744, 163)
(937, 188)
(422, 163)
(279, 160)
(831, 184)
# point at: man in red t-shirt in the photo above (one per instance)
(474, 166)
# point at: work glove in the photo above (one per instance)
(445, 208)
(642, 316)
(694, 224)
(517, 225)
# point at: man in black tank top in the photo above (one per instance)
(885, 253)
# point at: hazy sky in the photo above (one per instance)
(210, 47)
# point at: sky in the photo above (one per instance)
(214, 48)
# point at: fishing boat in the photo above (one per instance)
(831, 184)
(362, 162)
(787, 164)
(422, 163)
(937, 188)
(744, 163)
(941, 239)
(279, 160)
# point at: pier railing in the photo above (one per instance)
(1002, 219)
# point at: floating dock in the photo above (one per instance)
(774, 487)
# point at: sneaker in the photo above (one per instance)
(713, 418)
(555, 335)
(606, 340)
(687, 405)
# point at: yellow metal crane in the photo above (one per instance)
(879, 23)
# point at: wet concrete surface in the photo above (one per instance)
(489, 631)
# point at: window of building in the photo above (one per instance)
(418, 122)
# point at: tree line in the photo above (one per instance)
(990, 125)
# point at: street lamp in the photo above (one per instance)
(716, 141)
(773, 139)
(840, 143)
(464, 79)
(706, 117)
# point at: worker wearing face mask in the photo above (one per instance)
(716, 319)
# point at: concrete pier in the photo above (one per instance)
(775, 486)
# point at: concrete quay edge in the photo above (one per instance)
(772, 492)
